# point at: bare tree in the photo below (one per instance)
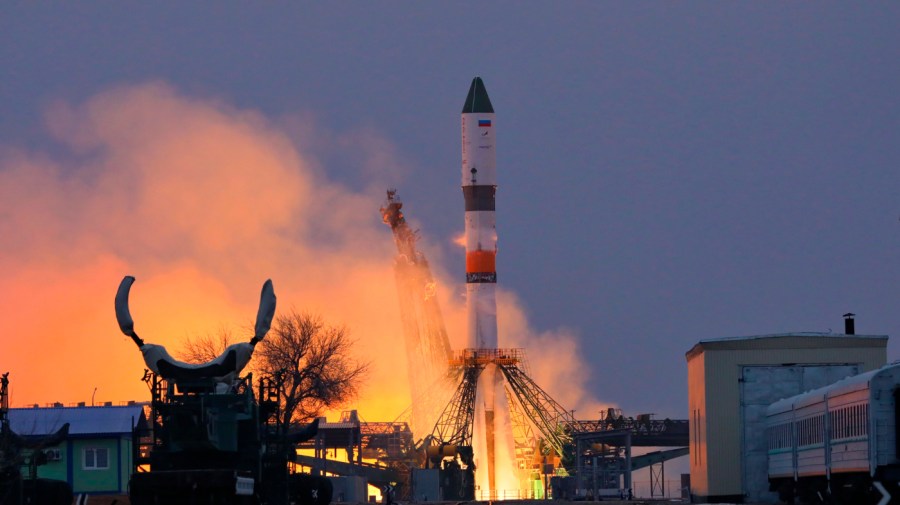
(207, 347)
(311, 364)
(308, 361)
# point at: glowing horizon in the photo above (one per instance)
(201, 202)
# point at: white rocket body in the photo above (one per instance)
(492, 434)
(479, 182)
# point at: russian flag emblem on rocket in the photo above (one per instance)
(484, 123)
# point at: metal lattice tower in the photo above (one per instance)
(554, 422)
(427, 343)
(531, 408)
(454, 426)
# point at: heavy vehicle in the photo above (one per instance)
(212, 439)
(839, 443)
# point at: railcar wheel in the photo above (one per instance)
(785, 490)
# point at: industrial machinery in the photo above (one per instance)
(212, 440)
(18, 452)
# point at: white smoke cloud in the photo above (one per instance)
(202, 202)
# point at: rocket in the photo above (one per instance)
(479, 185)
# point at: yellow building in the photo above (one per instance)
(731, 381)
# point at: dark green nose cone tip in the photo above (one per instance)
(478, 100)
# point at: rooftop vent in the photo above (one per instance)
(849, 324)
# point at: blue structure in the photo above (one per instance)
(97, 456)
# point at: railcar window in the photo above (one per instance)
(811, 430)
(864, 420)
(780, 436)
(850, 421)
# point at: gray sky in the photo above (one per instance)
(668, 172)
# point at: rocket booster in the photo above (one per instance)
(479, 185)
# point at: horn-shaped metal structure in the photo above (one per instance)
(212, 438)
(224, 368)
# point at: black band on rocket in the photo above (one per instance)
(479, 197)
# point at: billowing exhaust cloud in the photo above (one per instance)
(202, 202)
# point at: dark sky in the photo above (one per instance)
(668, 172)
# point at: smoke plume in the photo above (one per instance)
(202, 202)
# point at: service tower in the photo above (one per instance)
(492, 432)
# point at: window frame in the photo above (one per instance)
(94, 451)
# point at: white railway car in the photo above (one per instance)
(838, 443)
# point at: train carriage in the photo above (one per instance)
(782, 462)
(810, 421)
(837, 443)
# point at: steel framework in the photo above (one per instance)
(454, 426)
(546, 414)
(426, 341)
(531, 408)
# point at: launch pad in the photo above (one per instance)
(529, 434)
(547, 437)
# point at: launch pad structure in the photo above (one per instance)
(547, 436)
(479, 405)
(425, 336)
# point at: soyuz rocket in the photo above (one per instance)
(479, 184)
(492, 434)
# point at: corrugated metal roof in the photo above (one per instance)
(82, 420)
(796, 334)
(810, 338)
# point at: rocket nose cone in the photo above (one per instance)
(477, 99)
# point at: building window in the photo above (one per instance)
(96, 458)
